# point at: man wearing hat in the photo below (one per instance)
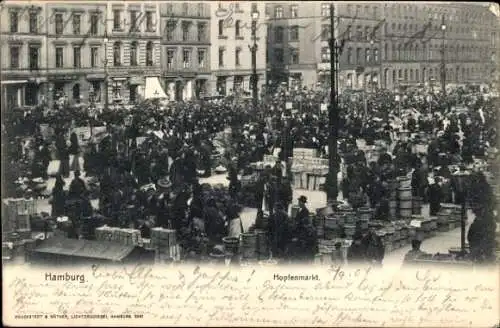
(303, 213)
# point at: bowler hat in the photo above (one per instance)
(302, 199)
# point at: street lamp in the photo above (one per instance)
(373, 60)
(106, 95)
(443, 64)
(91, 108)
(253, 49)
(333, 111)
(463, 181)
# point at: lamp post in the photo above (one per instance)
(106, 74)
(462, 179)
(253, 49)
(372, 59)
(91, 108)
(333, 111)
(443, 63)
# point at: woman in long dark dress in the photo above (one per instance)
(74, 149)
(58, 198)
(63, 153)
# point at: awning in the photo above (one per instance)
(14, 82)
(153, 89)
(91, 77)
(85, 248)
(135, 80)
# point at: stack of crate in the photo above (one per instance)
(16, 214)
(104, 233)
(122, 236)
(164, 242)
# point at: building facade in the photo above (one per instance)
(231, 42)
(384, 45)
(59, 49)
(74, 52)
(185, 49)
(23, 54)
(132, 46)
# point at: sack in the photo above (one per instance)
(53, 168)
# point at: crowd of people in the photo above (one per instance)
(171, 147)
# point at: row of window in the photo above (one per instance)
(136, 18)
(279, 11)
(200, 11)
(369, 55)
(279, 56)
(410, 12)
(59, 23)
(410, 75)
(279, 33)
(77, 55)
(201, 32)
(33, 57)
(432, 52)
(237, 28)
(187, 57)
(237, 56)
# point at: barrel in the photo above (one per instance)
(443, 217)
(231, 244)
(364, 223)
(404, 192)
(350, 217)
(248, 245)
(393, 208)
(217, 258)
(349, 230)
(294, 210)
(417, 205)
(331, 234)
(262, 244)
(404, 232)
(319, 224)
(405, 207)
(365, 213)
(331, 222)
(326, 257)
(404, 182)
(29, 245)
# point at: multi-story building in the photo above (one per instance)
(232, 39)
(57, 48)
(74, 52)
(133, 52)
(383, 44)
(185, 49)
(23, 54)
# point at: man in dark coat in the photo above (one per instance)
(58, 198)
(435, 197)
(214, 221)
(357, 251)
(375, 249)
(77, 187)
(303, 214)
(285, 192)
(280, 230)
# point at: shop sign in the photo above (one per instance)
(64, 77)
